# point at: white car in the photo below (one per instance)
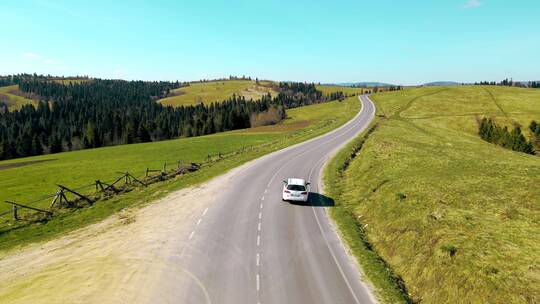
(295, 189)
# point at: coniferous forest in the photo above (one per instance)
(514, 140)
(96, 113)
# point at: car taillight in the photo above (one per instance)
(304, 192)
(287, 191)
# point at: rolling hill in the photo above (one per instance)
(216, 91)
(454, 217)
(13, 98)
(364, 84)
(329, 89)
(441, 84)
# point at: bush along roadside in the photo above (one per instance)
(389, 287)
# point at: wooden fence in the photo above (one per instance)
(66, 197)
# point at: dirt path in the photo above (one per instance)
(113, 261)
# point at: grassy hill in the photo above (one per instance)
(15, 99)
(328, 89)
(215, 91)
(10, 96)
(30, 179)
(454, 217)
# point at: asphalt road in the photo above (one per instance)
(254, 248)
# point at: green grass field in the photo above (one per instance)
(80, 168)
(327, 89)
(216, 91)
(14, 102)
(456, 218)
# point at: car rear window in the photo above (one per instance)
(296, 187)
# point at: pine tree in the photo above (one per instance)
(143, 134)
(37, 148)
(534, 127)
(56, 144)
(130, 134)
(89, 136)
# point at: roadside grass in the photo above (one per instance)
(79, 168)
(456, 218)
(217, 91)
(14, 102)
(386, 285)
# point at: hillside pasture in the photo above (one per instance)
(329, 89)
(13, 98)
(216, 91)
(453, 216)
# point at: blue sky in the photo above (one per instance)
(402, 42)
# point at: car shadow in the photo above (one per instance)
(316, 200)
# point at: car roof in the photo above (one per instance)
(296, 181)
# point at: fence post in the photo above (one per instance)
(164, 167)
(15, 215)
(74, 192)
(146, 172)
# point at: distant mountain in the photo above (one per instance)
(362, 84)
(441, 84)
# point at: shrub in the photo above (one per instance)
(451, 250)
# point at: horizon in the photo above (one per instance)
(465, 41)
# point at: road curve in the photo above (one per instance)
(254, 248)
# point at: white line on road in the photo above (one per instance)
(261, 206)
(192, 234)
(262, 198)
(199, 221)
(260, 215)
(258, 240)
(258, 259)
(204, 212)
(326, 240)
(259, 226)
(265, 190)
(258, 282)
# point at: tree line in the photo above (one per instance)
(510, 83)
(514, 140)
(6, 81)
(534, 84)
(100, 113)
(505, 82)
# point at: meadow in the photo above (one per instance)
(33, 179)
(329, 89)
(13, 101)
(216, 91)
(427, 203)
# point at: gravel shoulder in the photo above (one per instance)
(114, 261)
